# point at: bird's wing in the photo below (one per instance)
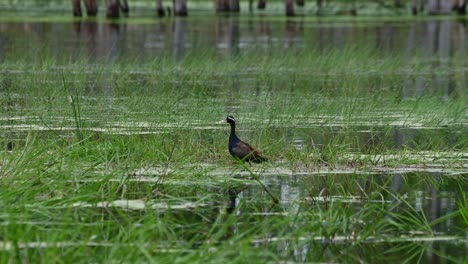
(247, 150)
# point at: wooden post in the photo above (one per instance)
(76, 8)
(112, 8)
(180, 8)
(91, 7)
(160, 8)
(289, 7)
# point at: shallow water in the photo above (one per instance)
(228, 36)
(361, 183)
(301, 196)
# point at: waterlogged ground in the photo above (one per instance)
(112, 149)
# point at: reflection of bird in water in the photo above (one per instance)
(241, 150)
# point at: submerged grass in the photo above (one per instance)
(365, 165)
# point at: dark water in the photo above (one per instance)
(227, 36)
(305, 197)
(422, 193)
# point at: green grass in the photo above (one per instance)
(126, 161)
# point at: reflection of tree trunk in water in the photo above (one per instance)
(91, 31)
(338, 34)
(261, 4)
(112, 48)
(410, 48)
(444, 44)
(159, 8)
(91, 7)
(289, 7)
(113, 7)
(180, 32)
(77, 26)
(430, 47)
(462, 41)
(397, 183)
(435, 200)
(76, 8)
(233, 36)
(232, 194)
(290, 33)
(180, 8)
(322, 37)
(114, 40)
(403, 137)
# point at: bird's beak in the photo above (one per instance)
(222, 121)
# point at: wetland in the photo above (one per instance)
(112, 149)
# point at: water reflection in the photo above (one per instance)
(443, 38)
(180, 38)
(429, 194)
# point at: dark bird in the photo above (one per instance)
(241, 150)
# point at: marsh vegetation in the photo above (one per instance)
(112, 149)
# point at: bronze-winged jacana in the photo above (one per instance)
(241, 150)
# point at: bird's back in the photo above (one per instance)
(243, 151)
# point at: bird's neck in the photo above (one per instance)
(233, 136)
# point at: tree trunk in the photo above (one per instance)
(124, 6)
(91, 7)
(113, 8)
(300, 2)
(414, 7)
(261, 4)
(76, 8)
(222, 5)
(439, 7)
(289, 7)
(234, 6)
(180, 7)
(160, 8)
(319, 6)
(461, 7)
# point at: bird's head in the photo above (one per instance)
(230, 120)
